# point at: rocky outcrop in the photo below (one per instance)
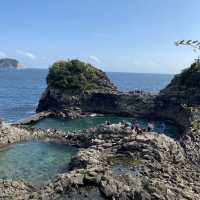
(34, 118)
(114, 163)
(9, 63)
(18, 133)
(179, 101)
(77, 76)
(11, 190)
(119, 164)
(184, 88)
(65, 103)
(102, 98)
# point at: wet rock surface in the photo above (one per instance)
(113, 163)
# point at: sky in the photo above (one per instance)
(115, 35)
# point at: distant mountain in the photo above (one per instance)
(9, 63)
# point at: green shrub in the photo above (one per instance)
(72, 74)
(191, 77)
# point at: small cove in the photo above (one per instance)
(35, 161)
(90, 122)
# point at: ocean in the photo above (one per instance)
(20, 90)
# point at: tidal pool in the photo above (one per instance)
(89, 122)
(34, 161)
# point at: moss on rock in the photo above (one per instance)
(125, 160)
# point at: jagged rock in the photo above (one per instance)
(115, 162)
(181, 96)
(145, 166)
(103, 97)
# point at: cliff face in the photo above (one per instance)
(9, 63)
(180, 100)
(175, 102)
(96, 95)
(185, 87)
(68, 104)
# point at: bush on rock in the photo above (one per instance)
(77, 75)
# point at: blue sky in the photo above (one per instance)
(115, 35)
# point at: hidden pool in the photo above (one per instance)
(34, 161)
(89, 122)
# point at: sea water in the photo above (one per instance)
(39, 162)
(89, 122)
(34, 161)
(20, 90)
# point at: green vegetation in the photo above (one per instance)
(8, 62)
(191, 77)
(126, 160)
(73, 74)
(195, 44)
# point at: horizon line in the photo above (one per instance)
(125, 72)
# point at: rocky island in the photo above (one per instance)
(75, 88)
(115, 162)
(9, 63)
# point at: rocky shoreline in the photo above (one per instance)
(70, 97)
(67, 105)
(115, 162)
(112, 163)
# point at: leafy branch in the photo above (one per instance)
(195, 44)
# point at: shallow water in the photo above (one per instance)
(89, 122)
(34, 161)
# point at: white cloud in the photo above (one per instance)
(95, 59)
(3, 54)
(26, 54)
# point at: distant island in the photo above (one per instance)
(9, 63)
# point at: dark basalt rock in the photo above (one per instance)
(185, 87)
(181, 98)
(179, 101)
(103, 97)
(70, 105)
(117, 163)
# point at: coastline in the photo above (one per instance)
(115, 161)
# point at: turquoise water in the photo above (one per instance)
(89, 122)
(34, 161)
